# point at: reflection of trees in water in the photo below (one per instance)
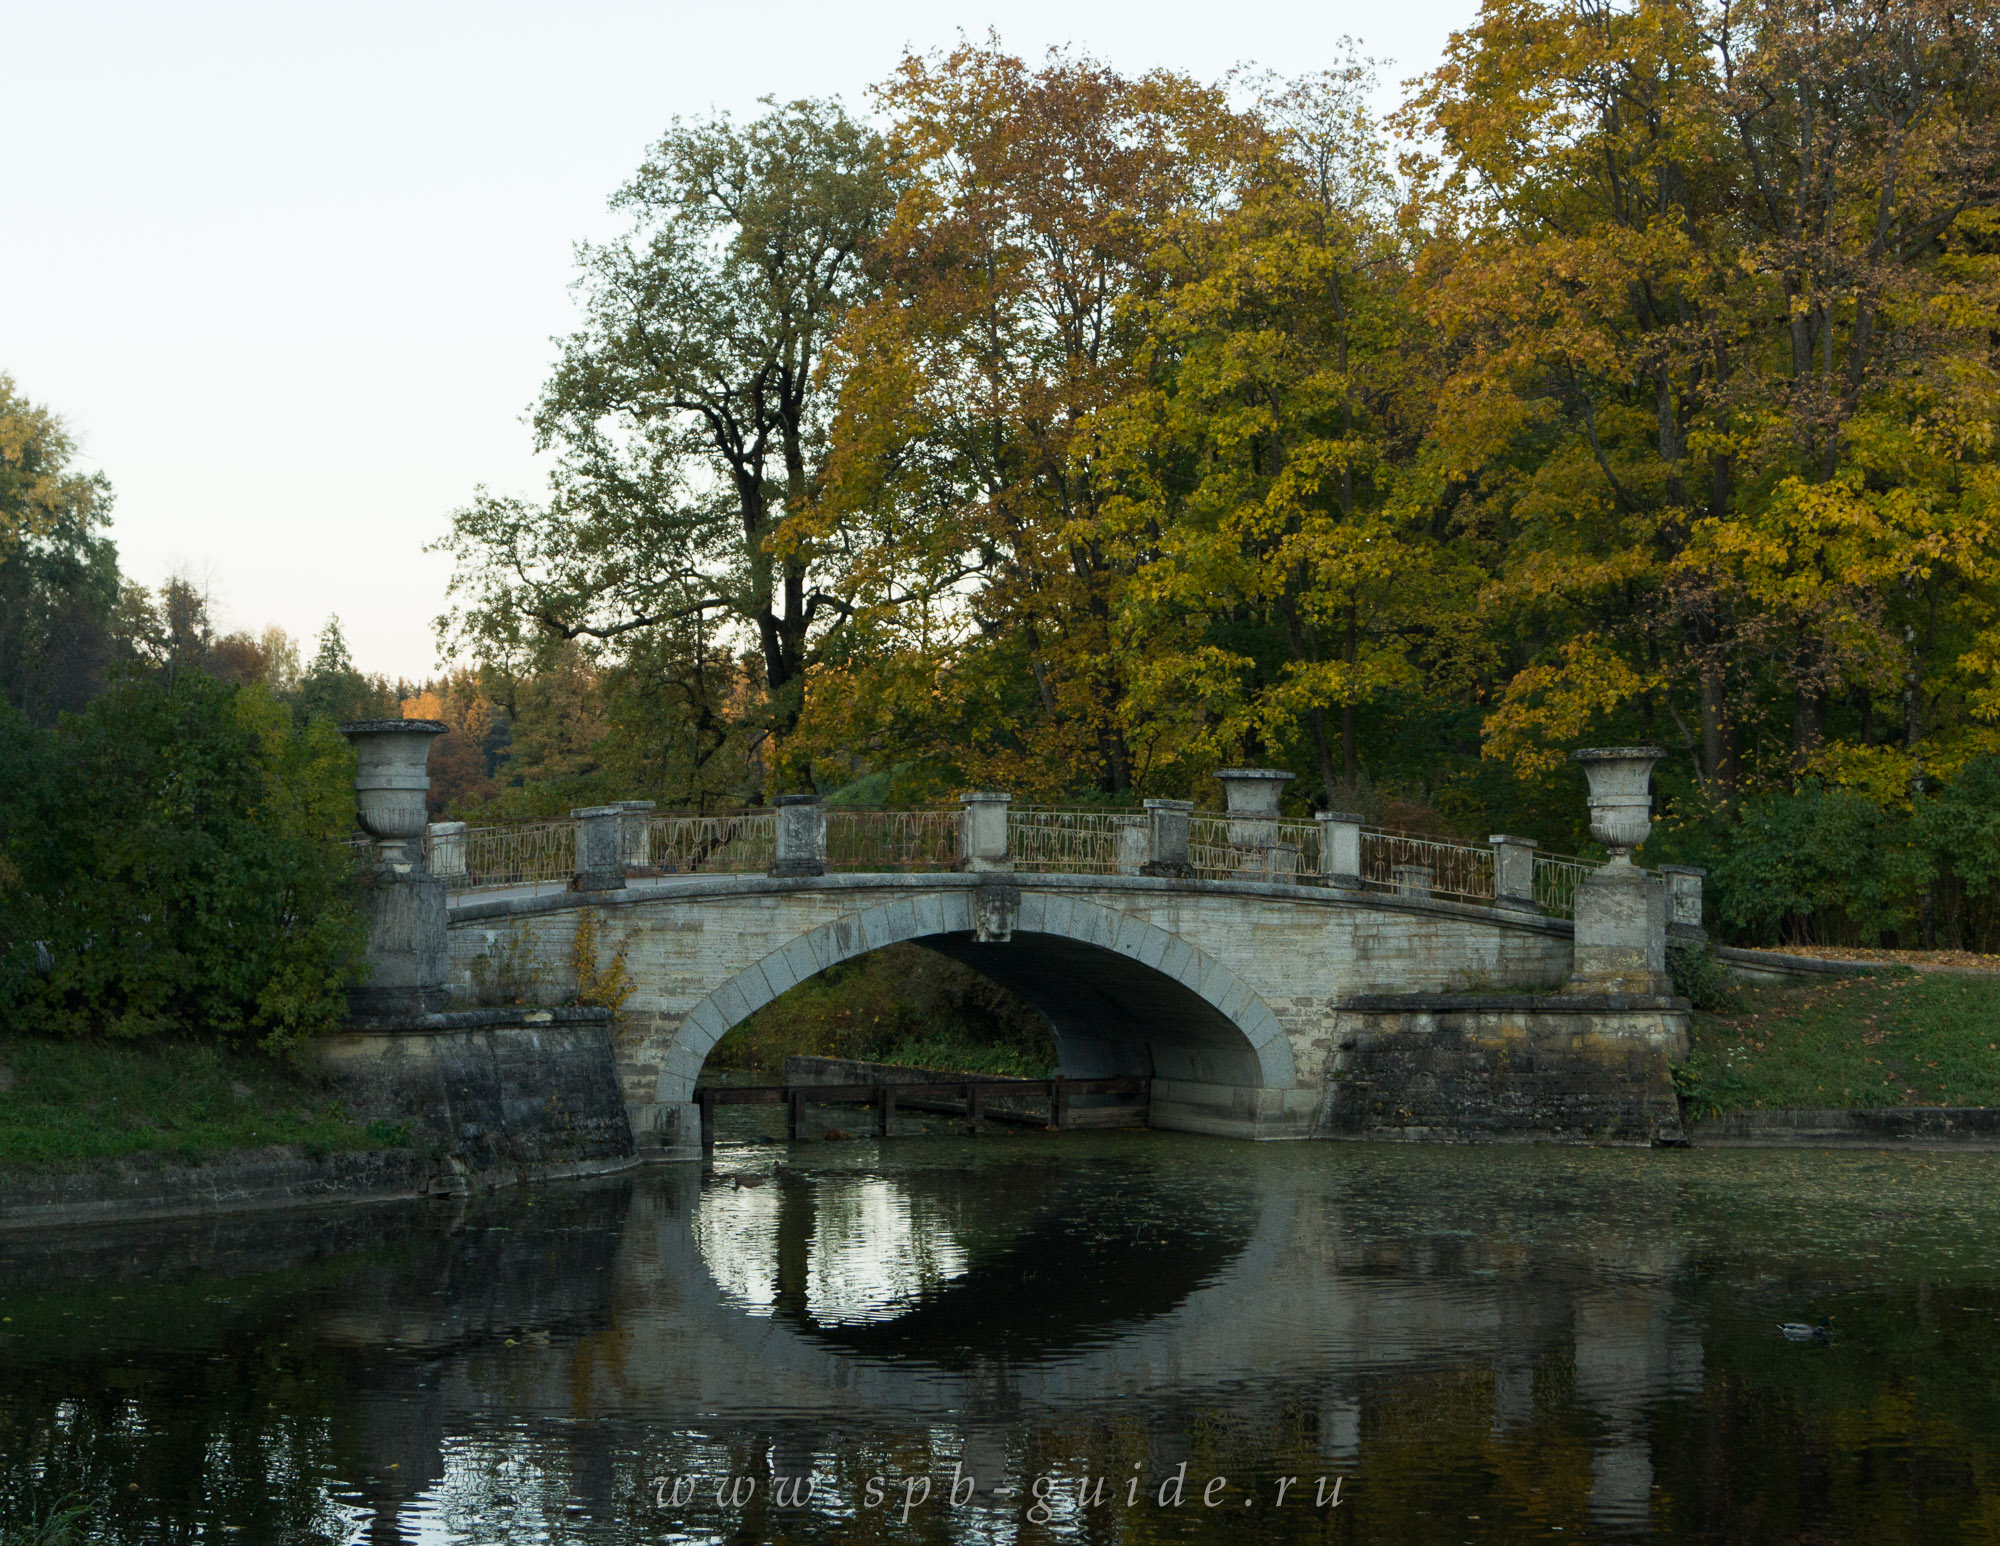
(1051, 1257)
(1572, 1343)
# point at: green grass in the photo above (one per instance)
(901, 1004)
(74, 1103)
(1889, 1039)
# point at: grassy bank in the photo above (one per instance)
(1891, 1039)
(902, 1004)
(65, 1104)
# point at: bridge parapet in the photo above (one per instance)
(1166, 838)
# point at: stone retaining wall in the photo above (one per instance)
(1955, 1127)
(1545, 1068)
(497, 1096)
(276, 1177)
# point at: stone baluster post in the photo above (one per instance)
(1684, 904)
(1621, 912)
(1514, 872)
(1167, 839)
(801, 835)
(407, 948)
(1340, 848)
(983, 830)
(600, 859)
(1133, 846)
(445, 849)
(1414, 879)
(635, 833)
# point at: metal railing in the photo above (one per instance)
(1048, 840)
(1556, 880)
(1040, 839)
(743, 843)
(538, 853)
(899, 842)
(1459, 871)
(1294, 858)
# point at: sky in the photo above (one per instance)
(292, 274)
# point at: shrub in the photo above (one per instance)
(171, 860)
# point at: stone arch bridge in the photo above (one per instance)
(1225, 992)
(1271, 978)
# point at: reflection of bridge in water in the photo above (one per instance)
(1023, 1293)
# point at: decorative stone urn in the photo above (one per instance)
(1253, 796)
(406, 956)
(1621, 804)
(391, 778)
(1621, 912)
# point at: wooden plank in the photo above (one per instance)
(1107, 1116)
(969, 1095)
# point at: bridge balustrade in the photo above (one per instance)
(1040, 839)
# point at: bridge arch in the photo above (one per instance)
(1120, 994)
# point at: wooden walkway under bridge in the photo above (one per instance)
(1045, 1103)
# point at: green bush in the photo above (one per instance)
(1817, 866)
(1698, 977)
(171, 861)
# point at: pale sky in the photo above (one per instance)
(291, 272)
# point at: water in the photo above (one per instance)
(1470, 1344)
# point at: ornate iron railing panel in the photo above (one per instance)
(741, 843)
(537, 853)
(1459, 870)
(920, 841)
(1075, 842)
(1556, 880)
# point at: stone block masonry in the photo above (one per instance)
(1562, 1068)
(1222, 992)
(495, 1096)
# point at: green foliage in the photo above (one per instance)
(174, 864)
(1813, 854)
(1816, 865)
(901, 1004)
(89, 1100)
(1889, 1039)
(1698, 977)
(332, 690)
(509, 971)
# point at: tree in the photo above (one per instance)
(1286, 573)
(963, 490)
(200, 890)
(333, 690)
(689, 413)
(1717, 286)
(59, 584)
(39, 489)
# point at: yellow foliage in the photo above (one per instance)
(608, 985)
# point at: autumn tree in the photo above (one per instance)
(1716, 284)
(59, 581)
(964, 493)
(1286, 572)
(689, 413)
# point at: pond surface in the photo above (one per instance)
(1122, 1337)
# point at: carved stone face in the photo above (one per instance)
(1621, 806)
